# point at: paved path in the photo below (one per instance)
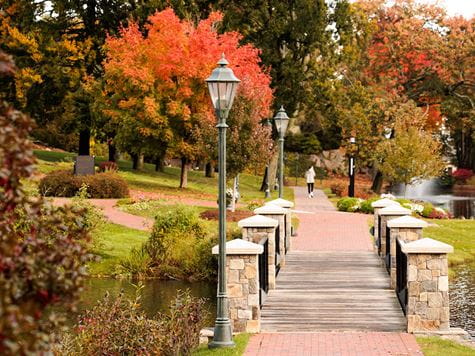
(114, 214)
(332, 283)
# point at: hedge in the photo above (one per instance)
(100, 185)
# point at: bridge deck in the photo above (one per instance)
(332, 291)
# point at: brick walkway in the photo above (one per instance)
(322, 228)
(327, 229)
(332, 343)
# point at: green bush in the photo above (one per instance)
(403, 201)
(119, 326)
(348, 204)
(180, 247)
(101, 185)
(365, 206)
(427, 211)
(137, 263)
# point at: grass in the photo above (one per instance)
(435, 346)
(458, 233)
(116, 241)
(199, 186)
(241, 341)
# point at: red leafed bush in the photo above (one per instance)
(108, 166)
(43, 249)
(439, 214)
(461, 175)
(338, 188)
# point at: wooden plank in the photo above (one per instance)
(332, 291)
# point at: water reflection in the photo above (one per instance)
(156, 294)
(431, 191)
(462, 299)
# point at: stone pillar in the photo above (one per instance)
(386, 214)
(407, 229)
(277, 213)
(242, 271)
(377, 206)
(256, 228)
(288, 205)
(427, 285)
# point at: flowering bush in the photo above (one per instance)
(43, 249)
(439, 213)
(461, 175)
(349, 204)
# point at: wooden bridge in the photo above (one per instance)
(330, 291)
(332, 280)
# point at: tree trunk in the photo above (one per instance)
(184, 173)
(112, 152)
(209, 170)
(465, 149)
(377, 183)
(264, 179)
(273, 167)
(140, 162)
(159, 164)
(135, 161)
(84, 142)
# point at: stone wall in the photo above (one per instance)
(243, 292)
(428, 292)
(256, 234)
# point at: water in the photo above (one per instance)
(431, 191)
(156, 294)
(462, 299)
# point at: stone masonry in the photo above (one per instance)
(377, 206)
(427, 284)
(386, 214)
(407, 229)
(287, 205)
(277, 213)
(243, 285)
(254, 229)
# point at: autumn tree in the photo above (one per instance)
(413, 154)
(158, 80)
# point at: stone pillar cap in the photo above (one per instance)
(382, 203)
(394, 210)
(426, 246)
(282, 203)
(240, 247)
(270, 209)
(407, 221)
(258, 221)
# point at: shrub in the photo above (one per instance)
(338, 188)
(108, 166)
(119, 326)
(66, 184)
(43, 249)
(461, 175)
(403, 201)
(427, 210)
(180, 247)
(137, 264)
(439, 213)
(348, 204)
(183, 324)
(365, 206)
(253, 204)
(93, 216)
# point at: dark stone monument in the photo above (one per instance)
(84, 165)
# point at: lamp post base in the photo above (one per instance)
(223, 336)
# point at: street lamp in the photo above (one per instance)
(351, 168)
(222, 85)
(281, 123)
(267, 124)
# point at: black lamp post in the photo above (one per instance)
(351, 168)
(281, 123)
(268, 124)
(222, 85)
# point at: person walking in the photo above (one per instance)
(310, 178)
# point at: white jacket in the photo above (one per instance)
(310, 175)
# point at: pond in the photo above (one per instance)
(431, 191)
(462, 299)
(156, 294)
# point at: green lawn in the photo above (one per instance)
(435, 346)
(241, 341)
(116, 241)
(164, 182)
(458, 233)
